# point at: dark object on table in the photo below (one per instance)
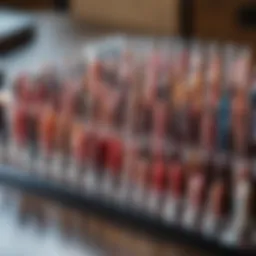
(16, 29)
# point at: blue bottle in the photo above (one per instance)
(224, 122)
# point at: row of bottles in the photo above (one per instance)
(168, 134)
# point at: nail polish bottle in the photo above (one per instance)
(175, 189)
(195, 86)
(217, 200)
(129, 171)
(95, 151)
(240, 122)
(195, 192)
(63, 140)
(47, 139)
(224, 123)
(157, 185)
(209, 130)
(79, 144)
(113, 167)
(140, 179)
(213, 76)
(96, 166)
(95, 70)
(18, 142)
(241, 205)
(151, 77)
(160, 117)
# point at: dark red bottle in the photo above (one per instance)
(158, 175)
(114, 156)
(176, 179)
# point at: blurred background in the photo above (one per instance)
(68, 23)
(35, 32)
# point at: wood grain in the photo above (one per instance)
(139, 15)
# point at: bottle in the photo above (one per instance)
(151, 77)
(240, 122)
(95, 150)
(209, 130)
(129, 171)
(157, 185)
(63, 142)
(224, 123)
(175, 190)
(160, 117)
(217, 203)
(140, 179)
(47, 139)
(195, 192)
(241, 204)
(79, 153)
(19, 134)
(195, 93)
(113, 167)
(213, 76)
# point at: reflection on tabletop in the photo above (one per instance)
(31, 225)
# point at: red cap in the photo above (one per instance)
(176, 178)
(158, 175)
(114, 155)
(100, 152)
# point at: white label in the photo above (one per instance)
(72, 174)
(123, 193)
(57, 167)
(25, 159)
(90, 181)
(41, 165)
(240, 203)
(154, 202)
(209, 224)
(138, 196)
(170, 209)
(107, 186)
(190, 216)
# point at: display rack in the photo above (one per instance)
(124, 215)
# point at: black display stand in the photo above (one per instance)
(115, 212)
